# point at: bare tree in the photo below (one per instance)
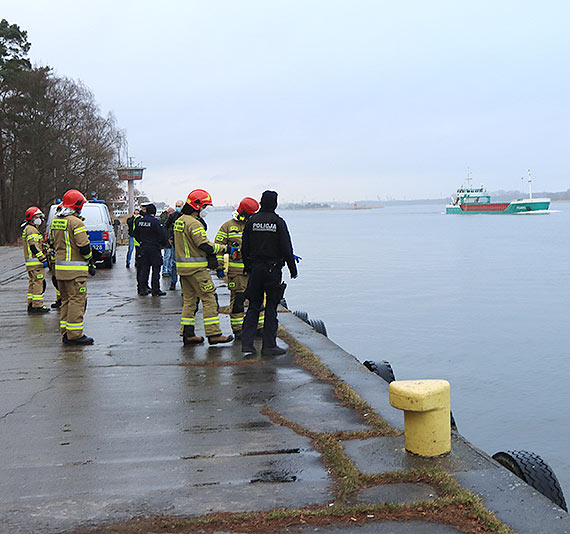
(52, 136)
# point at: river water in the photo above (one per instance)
(479, 300)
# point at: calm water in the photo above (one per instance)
(479, 300)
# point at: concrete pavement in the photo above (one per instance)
(139, 425)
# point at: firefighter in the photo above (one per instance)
(230, 234)
(36, 259)
(73, 260)
(194, 254)
(266, 248)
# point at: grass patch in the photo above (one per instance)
(453, 506)
(345, 394)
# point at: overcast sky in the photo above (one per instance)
(321, 99)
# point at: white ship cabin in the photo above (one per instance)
(472, 195)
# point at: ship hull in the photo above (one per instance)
(515, 207)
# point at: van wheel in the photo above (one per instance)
(108, 262)
(115, 258)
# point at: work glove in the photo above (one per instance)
(233, 252)
(45, 264)
(297, 259)
(220, 273)
(212, 262)
(91, 268)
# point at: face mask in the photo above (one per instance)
(178, 209)
(205, 211)
(37, 221)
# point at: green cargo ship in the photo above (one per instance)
(470, 199)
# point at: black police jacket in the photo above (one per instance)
(266, 239)
(149, 232)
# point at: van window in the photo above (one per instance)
(93, 215)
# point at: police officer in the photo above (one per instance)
(266, 248)
(230, 234)
(36, 260)
(73, 260)
(151, 237)
(194, 254)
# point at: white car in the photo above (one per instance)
(99, 228)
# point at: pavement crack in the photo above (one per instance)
(116, 306)
(232, 455)
(31, 399)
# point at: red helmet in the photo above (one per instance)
(199, 198)
(32, 212)
(73, 199)
(248, 206)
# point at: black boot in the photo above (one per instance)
(43, 309)
(273, 351)
(56, 305)
(83, 340)
(219, 338)
(189, 337)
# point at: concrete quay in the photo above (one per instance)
(138, 426)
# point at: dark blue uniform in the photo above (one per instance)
(266, 248)
(150, 233)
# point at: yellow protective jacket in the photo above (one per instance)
(31, 236)
(68, 234)
(230, 234)
(189, 234)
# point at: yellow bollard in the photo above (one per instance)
(427, 426)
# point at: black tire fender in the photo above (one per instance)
(383, 369)
(533, 470)
(303, 315)
(319, 326)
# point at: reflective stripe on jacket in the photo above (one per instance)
(68, 235)
(230, 234)
(189, 234)
(32, 236)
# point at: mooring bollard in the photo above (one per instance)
(425, 404)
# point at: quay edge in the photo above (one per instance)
(514, 502)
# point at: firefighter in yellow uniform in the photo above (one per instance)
(73, 260)
(36, 260)
(194, 254)
(230, 234)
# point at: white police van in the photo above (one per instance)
(99, 228)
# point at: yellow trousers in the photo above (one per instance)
(73, 302)
(195, 287)
(36, 287)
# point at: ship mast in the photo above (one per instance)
(529, 186)
(468, 178)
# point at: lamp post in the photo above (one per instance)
(130, 174)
